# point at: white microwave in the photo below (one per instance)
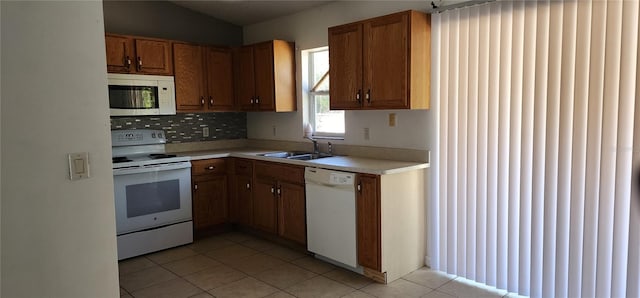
(135, 95)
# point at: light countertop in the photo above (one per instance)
(338, 163)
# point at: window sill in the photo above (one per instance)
(337, 138)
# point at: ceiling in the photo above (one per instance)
(247, 12)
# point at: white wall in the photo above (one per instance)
(309, 30)
(57, 236)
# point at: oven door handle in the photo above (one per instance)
(152, 168)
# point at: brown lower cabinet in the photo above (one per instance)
(368, 221)
(390, 224)
(279, 200)
(210, 193)
(291, 212)
(269, 197)
(241, 202)
(265, 205)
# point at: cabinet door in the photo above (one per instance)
(244, 78)
(119, 54)
(219, 73)
(291, 212)
(345, 67)
(264, 205)
(385, 56)
(188, 77)
(368, 221)
(242, 204)
(209, 201)
(264, 76)
(153, 57)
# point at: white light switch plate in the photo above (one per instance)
(78, 165)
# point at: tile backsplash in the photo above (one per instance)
(184, 128)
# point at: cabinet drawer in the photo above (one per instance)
(280, 172)
(208, 166)
(244, 167)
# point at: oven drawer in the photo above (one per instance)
(209, 166)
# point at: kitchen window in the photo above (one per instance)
(325, 122)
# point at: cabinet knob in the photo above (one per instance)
(279, 191)
(257, 99)
(251, 101)
(195, 186)
(368, 96)
(248, 186)
(358, 96)
(273, 190)
(211, 168)
(359, 187)
(210, 100)
(202, 100)
(139, 63)
(127, 62)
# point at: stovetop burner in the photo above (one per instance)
(119, 159)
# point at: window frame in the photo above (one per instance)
(311, 95)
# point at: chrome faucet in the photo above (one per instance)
(316, 148)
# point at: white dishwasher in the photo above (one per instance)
(331, 215)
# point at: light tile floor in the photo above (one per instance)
(239, 265)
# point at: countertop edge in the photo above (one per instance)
(253, 154)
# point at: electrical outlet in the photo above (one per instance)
(274, 130)
(366, 134)
(392, 119)
(205, 131)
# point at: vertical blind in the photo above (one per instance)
(535, 147)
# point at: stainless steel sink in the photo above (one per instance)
(298, 155)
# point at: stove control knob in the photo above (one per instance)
(159, 135)
(153, 135)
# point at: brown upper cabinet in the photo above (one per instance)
(203, 78)
(265, 77)
(129, 54)
(381, 63)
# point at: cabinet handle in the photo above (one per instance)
(273, 190)
(358, 99)
(248, 185)
(127, 62)
(251, 100)
(279, 191)
(257, 99)
(368, 96)
(359, 187)
(210, 168)
(202, 100)
(195, 186)
(139, 63)
(210, 100)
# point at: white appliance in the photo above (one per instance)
(152, 193)
(133, 94)
(331, 215)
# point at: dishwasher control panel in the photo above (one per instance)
(340, 178)
(329, 177)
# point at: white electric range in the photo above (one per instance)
(152, 193)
